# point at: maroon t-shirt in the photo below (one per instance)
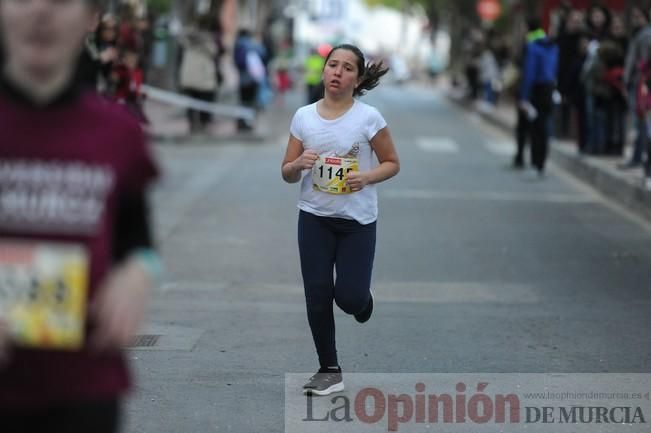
(63, 169)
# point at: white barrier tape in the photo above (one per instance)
(236, 112)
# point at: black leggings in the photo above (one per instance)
(542, 100)
(87, 417)
(348, 247)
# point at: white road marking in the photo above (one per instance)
(266, 295)
(501, 148)
(424, 194)
(437, 144)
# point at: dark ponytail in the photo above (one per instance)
(371, 77)
(370, 73)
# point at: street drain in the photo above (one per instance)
(144, 341)
(166, 337)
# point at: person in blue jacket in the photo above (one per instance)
(538, 85)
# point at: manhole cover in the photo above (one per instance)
(144, 341)
(166, 337)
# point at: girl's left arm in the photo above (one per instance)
(382, 144)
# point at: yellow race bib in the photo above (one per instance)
(329, 174)
(43, 292)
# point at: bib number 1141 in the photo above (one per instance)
(339, 173)
(329, 174)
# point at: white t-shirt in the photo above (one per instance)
(347, 136)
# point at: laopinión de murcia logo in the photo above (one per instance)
(371, 405)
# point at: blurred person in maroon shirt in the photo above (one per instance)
(74, 172)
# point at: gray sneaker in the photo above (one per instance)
(324, 382)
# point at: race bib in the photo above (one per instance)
(43, 291)
(329, 174)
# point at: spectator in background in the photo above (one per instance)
(559, 22)
(107, 48)
(638, 52)
(501, 50)
(606, 94)
(128, 78)
(198, 72)
(282, 81)
(616, 107)
(610, 97)
(266, 46)
(618, 33)
(218, 33)
(146, 40)
(522, 126)
(638, 20)
(282, 77)
(538, 84)
(489, 74)
(89, 66)
(598, 20)
(251, 71)
(598, 26)
(313, 69)
(127, 32)
(263, 46)
(472, 52)
(568, 45)
(576, 91)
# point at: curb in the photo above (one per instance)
(182, 139)
(221, 133)
(624, 190)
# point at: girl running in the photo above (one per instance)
(331, 146)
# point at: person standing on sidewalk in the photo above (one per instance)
(198, 73)
(568, 45)
(250, 68)
(538, 85)
(490, 73)
(638, 52)
(331, 147)
(522, 122)
(313, 68)
(76, 255)
(598, 19)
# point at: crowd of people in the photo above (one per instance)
(602, 72)
(115, 58)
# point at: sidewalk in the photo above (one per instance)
(168, 124)
(626, 187)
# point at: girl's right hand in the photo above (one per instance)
(307, 160)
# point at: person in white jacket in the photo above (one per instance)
(198, 74)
